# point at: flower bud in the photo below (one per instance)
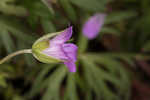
(39, 55)
(53, 50)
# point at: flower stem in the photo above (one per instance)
(82, 43)
(15, 54)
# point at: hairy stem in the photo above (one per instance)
(15, 54)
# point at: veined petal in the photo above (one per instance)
(70, 50)
(62, 37)
(93, 25)
(71, 66)
(56, 52)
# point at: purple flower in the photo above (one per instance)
(66, 52)
(93, 25)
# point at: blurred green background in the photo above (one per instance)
(114, 66)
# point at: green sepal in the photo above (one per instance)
(39, 55)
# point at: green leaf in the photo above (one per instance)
(7, 40)
(49, 6)
(98, 76)
(88, 95)
(128, 57)
(29, 59)
(16, 28)
(54, 84)
(38, 9)
(71, 92)
(119, 16)
(6, 71)
(3, 82)
(91, 5)
(7, 7)
(39, 80)
(17, 97)
(48, 26)
(113, 73)
(90, 81)
(5, 68)
(69, 10)
(110, 30)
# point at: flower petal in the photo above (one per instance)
(56, 52)
(93, 25)
(70, 50)
(71, 66)
(62, 37)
